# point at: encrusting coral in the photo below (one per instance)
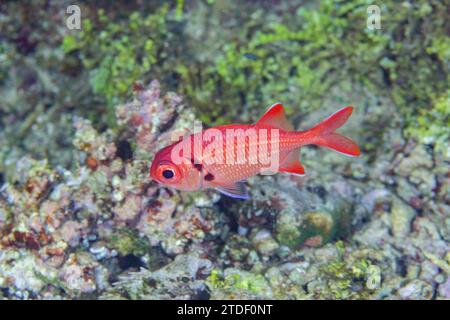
(108, 207)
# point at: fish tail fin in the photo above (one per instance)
(323, 134)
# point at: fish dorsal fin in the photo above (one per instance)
(291, 164)
(276, 118)
(235, 190)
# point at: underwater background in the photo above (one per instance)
(83, 111)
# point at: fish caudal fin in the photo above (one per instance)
(324, 135)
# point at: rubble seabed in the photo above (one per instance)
(350, 230)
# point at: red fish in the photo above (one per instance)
(223, 157)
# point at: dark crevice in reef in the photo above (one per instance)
(130, 261)
(124, 150)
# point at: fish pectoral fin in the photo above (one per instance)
(237, 190)
(291, 164)
(276, 118)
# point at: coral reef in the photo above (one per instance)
(107, 208)
(105, 230)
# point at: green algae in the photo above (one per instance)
(120, 57)
(237, 284)
(295, 58)
(433, 124)
(343, 275)
(126, 241)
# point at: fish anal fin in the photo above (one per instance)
(291, 164)
(276, 118)
(236, 190)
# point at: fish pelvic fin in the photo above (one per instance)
(276, 118)
(236, 190)
(323, 133)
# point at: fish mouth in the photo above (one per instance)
(153, 177)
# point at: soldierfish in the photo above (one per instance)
(223, 161)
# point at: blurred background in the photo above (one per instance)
(227, 61)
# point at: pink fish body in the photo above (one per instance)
(223, 157)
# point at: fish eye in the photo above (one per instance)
(168, 174)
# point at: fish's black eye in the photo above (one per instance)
(168, 174)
